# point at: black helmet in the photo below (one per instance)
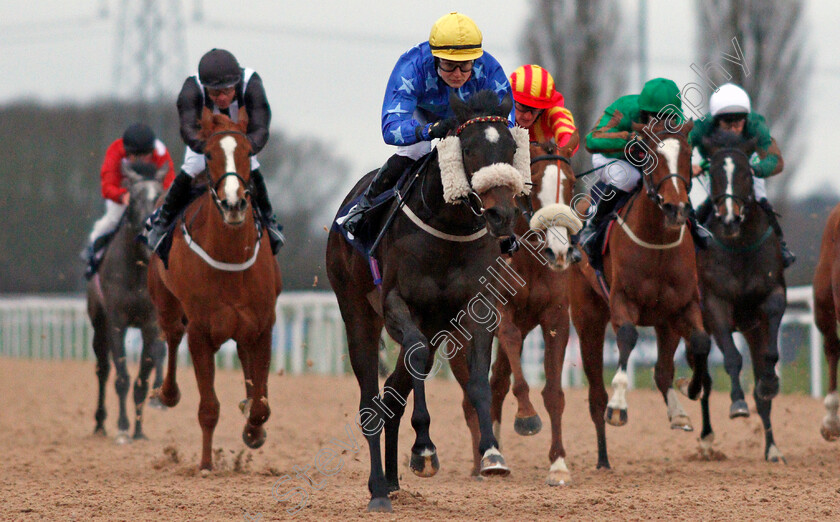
(138, 138)
(218, 69)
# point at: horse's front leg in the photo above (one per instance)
(417, 359)
(116, 340)
(667, 339)
(526, 421)
(170, 315)
(141, 385)
(555, 328)
(767, 386)
(624, 316)
(202, 352)
(717, 317)
(258, 364)
(478, 391)
(245, 360)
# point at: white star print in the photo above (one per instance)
(398, 137)
(478, 71)
(431, 83)
(397, 110)
(500, 87)
(407, 85)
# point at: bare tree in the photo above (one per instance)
(772, 37)
(578, 42)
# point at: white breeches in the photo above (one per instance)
(620, 174)
(194, 163)
(107, 223)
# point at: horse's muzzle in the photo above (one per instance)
(499, 221)
(234, 213)
(675, 215)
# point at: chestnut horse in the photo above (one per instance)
(433, 259)
(117, 298)
(827, 315)
(742, 281)
(222, 283)
(652, 273)
(543, 300)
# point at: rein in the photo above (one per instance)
(653, 190)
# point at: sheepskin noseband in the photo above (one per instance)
(456, 186)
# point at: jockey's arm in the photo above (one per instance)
(770, 156)
(190, 104)
(111, 173)
(608, 135)
(399, 127)
(259, 113)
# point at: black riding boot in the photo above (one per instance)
(588, 236)
(177, 197)
(704, 211)
(788, 257)
(274, 230)
(385, 179)
(702, 237)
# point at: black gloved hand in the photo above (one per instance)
(636, 152)
(438, 129)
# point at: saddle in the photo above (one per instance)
(371, 227)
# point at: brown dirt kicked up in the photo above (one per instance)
(53, 468)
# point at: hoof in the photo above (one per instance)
(99, 431)
(205, 472)
(140, 436)
(830, 429)
(739, 408)
(767, 389)
(558, 474)
(392, 487)
(245, 407)
(774, 455)
(426, 464)
(154, 402)
(706, 446)
(253, 436)
(122, 438)
(527, 425)
(380, 505)
(615, 416)
(681, 422)
(493, 464)
(171, 397)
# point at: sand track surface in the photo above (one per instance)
(53, 468)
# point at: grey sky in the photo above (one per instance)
(325, 62)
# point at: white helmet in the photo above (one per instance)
(729, 99)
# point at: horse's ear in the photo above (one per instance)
(129, 174)
(206, 122)
(242, 121)
(569, 148)
(709, 145)
(461, 110)
(505, 106)
(687, 126)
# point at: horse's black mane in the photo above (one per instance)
(726, 140)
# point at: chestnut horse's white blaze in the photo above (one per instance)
(551, 192)
(729, 169)
(670, 149)
(231, 187)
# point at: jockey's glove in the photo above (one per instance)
(438, 129)
(636, 152)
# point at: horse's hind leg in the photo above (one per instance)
(667, 339)
(556, 336)
(103, 366)
(245, 361)
(526, 421)
(158, 356)
(826, 321)
(499, 388)
(172, 322)
(462, 374)
(141, 385)
(259, 362)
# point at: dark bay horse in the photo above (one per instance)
(222, 283)
(433, 260)
(742, 280)
(827, 316)
(544, 231)
(651, 271)
(117, 299)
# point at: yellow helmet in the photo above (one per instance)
(455, 37)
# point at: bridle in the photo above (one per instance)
(652, 190)
(473, 200)
(744, 202)
(213, 186)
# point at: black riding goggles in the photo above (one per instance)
(450, 66)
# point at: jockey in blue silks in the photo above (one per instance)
(416, 105)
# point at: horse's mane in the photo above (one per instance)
(484, 103)
(218, 122)
(726, 140)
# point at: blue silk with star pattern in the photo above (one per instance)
(415, 84)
